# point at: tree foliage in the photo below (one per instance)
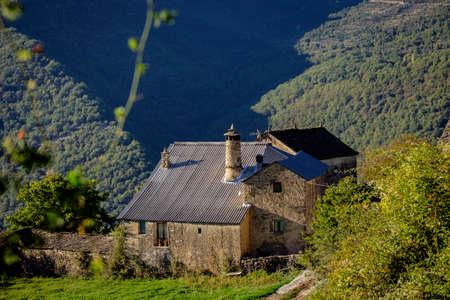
(380, 70)
(65, 122)
(397, 248)
(57, 204)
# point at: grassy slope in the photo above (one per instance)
(251, 286)
(379, 70)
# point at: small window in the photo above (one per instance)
(141, 227)
(277, 187)
(199, 231)
(277, 226)
(161, 235)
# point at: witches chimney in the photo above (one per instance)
(165, 159)
(233, 164)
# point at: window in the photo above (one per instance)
(161, 235)
(277, 187)
(199, 231)
(277, 226)
(141, 227)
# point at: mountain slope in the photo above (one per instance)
(380, 70)
(205, 71)
(69, 118)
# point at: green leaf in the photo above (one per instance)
(142, 68)
(168, 16)
(54, 220)
(76, 177)
(120, 114)
(133, 44)
(11, 10)
(23, 55)
(9, 257)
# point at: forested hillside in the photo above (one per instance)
(205, 72)
(379, 70)
(66, 116)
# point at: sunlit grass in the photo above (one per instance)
(251, 286)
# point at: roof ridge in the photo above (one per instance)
(293, 128)
(217, 143)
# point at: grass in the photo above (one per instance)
(252, 286)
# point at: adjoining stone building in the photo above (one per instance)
(208, 202)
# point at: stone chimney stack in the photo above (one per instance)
(165, 159)
(233, 164)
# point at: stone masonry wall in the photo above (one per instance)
(64, 254)
(206, 250)
(339, 167)
(270, 263)
(290, 206)
(71, 253)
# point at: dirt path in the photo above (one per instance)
(302, 285)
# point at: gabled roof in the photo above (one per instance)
(193, 189)
(304, 165)
(317, 142)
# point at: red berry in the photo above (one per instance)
(21, 134)
(39, 48)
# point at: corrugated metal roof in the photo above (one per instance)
(193, 189)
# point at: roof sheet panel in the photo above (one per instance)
(193, 189)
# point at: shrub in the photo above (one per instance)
(395, 248)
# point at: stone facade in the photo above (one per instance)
(280, 202)
(292, 206)
(196, 246)
(208, 246)
(339, 168)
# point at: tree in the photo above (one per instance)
(61, 204)
(399, 247)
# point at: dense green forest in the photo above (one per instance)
(68, 119)
(205, 72)
(379, 70)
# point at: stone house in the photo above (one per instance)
(210, 202)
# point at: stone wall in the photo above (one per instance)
(269, 263)
(196, 246)
(292, 207)
(52, 262)
(339, 167)
(71, 254)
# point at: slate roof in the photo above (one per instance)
(193, 189)
(304, 165)
(317, 142)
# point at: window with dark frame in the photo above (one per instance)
(161, 234)
(277, 187)
(141, 227)
(277, 226)
(199, 230)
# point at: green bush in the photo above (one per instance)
(397, 247)
(61, 204)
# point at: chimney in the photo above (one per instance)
(233, 164)
(165, 159)
(259, 162)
